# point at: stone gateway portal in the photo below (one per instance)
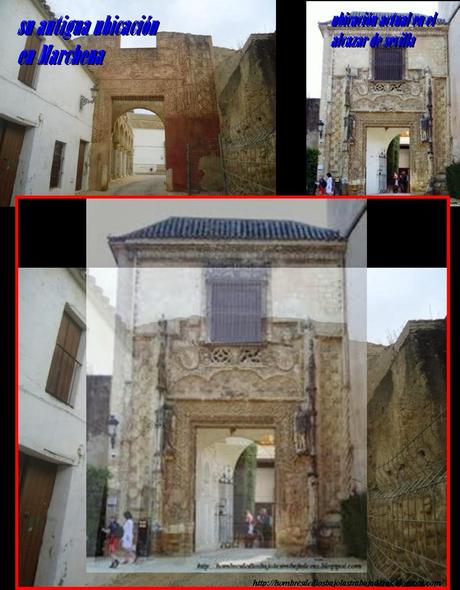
(231, 386)
(178, 74)
(400, 84)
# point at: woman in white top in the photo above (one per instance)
(329, 186)
(127, 545)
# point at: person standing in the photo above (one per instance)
(322, 185)
(250, 533)
(395, 182)
(329, 185)
(403, 181)
(264, 525)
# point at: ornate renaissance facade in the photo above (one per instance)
(371, 96)
(234, 334)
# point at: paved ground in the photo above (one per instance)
(231, 561)
(140, 184)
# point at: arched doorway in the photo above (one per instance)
(176, 80)
(387, 152)
(235, 472)
(138, 145)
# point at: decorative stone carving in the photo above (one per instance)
(400, 89)
(189, 357)
(169, 429)
(303, 430)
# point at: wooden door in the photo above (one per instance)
(11, 138)
(81, 159)
(36, 488)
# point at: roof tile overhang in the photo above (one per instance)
(212, 241)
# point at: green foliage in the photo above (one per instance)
(354, 525)
(96, 483)
(453, 179)
(392, 159)
(312, 166)
(250, 459)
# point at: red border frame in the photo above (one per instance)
(446, 198)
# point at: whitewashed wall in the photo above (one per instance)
(297, 293)
(50, 111)
(149, 150)
(48, 428)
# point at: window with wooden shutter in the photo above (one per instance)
(65, 364)
(56, 166)
(236, 311)
(388, 63)
(26, 71)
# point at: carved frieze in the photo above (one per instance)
(273, 368)
(374, 95)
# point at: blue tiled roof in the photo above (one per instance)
(211, 228)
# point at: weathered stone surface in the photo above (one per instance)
(246, 95)
(407, 455)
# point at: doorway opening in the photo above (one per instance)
(36, 484)
(138, 144)
(387, 160)
(11, 140)
(234, 488)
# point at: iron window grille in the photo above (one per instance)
(236, 311)
(388, 63)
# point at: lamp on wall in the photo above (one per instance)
(112, 425)
(320, 128)
(84, 100)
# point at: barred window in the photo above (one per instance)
(26, 73)
(56, 166)
(65, 364)
(388, 63)
(236, 311)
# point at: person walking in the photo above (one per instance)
(127, 551)
(329, 185)
(114, 532)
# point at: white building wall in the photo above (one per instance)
(48, 428)
(265, 485)
(149, 150)
(296, 293)
(100, 333)
(451, 10)
(50, 111)
(349, 216)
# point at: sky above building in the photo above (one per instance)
(228, 22)
(396, 295)
(324, 11)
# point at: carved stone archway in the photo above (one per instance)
(291, 473)
(419, 169)
(177, 77)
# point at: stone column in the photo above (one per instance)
(113, 166)
(119, 163)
